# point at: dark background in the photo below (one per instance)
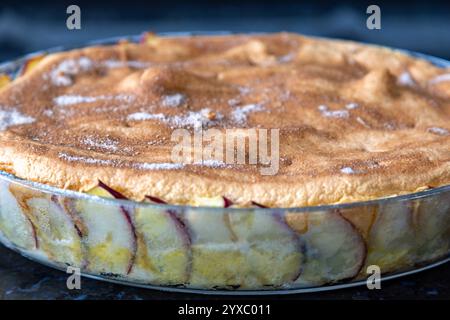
(26, 26)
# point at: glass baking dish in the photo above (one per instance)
(223, 250)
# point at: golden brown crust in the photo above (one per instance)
(356, 122)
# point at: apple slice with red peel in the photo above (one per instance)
(273, 252)
(391, 241)
(334, 249)
(30, 64)
(217, 259)
(432, 227)
(247, 249)
(111, 239)
(14, 223)
(163, 251)
(56, 231)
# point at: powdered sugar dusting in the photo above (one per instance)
(405, 79)
(233, 102)
(142, 116)
(197, 120)
(194, 119)
(63, 73)
(72, 99)
(351, 106)
(348, 170)
(158, 166)
(173, 100)
(66, 100)
(239, 114)
(102, 143)
(440, 78)
(244, 90)
(213, 163)
(439, 131)
(89, 160)
(287, 58)
(13, 117)
(48, 112)
(112, 64)
(333, 113)
(137, 165)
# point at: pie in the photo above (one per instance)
(354, 123)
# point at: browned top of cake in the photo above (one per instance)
(356, 122)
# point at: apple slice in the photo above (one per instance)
(432, 227)
(14, 223)
(391, 241)
(56, 231)
(217, 201)
(4, 80)
(273, 252)
(163, 252)
(334, 249)
(111, 239)
(246, 249)
(217, 260)
(31, 64)
(362, 218)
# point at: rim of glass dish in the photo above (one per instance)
(13, 66)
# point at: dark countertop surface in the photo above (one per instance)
(21, 278)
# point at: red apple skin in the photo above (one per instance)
(183, 244)
(116, 194)
(155, 200)
(181, 226)
(259, 205)
(69, 208)
(227, 202)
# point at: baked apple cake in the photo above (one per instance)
(363, 136)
